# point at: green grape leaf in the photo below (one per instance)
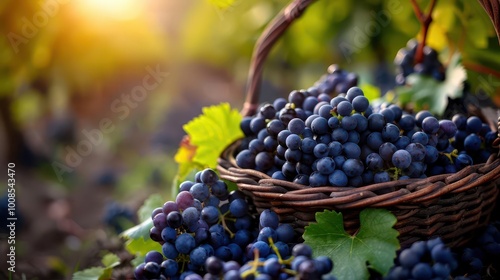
(212, 132)
(139, 231)
(427, 93)
(138, 240)
(371, 92)
(137, 260)
(373, 246)
(93, 273)
(110, 260)
(455, 77)
(152, 202)
(141, 246)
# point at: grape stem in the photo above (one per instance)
(482, 69)
(451, 155)
(222, 219)
(425, 21)
(255, 264)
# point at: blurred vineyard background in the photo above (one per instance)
(67, 66)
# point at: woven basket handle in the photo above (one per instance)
(271, 34)
(492, 8)
(280, 24)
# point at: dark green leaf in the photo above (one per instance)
(374, 245)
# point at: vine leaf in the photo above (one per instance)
(370, 91)
(427, 93)
(93, 273)
(152, 202)
(142, 245)
(109, 261)
(374, 246)
(209, 134)
(138, 240)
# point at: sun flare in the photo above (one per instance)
(116, 9)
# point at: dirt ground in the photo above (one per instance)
(62, 227)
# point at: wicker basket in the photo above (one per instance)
(452, 206)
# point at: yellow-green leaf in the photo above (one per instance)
(152, 202)
(141, 246)
(212, 132)
(110, 260)
(93, 273)
(371, 92)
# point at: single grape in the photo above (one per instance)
(210, 214)
(184, 200)
(152, 270)
(344, 108)
(360, 104)
(269, 218)
(174, 219)
(169, 268)
(401, 159)
(430, 125)
(338, 178)
(302, 249)
(326, 165)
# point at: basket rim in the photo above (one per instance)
(387, 194)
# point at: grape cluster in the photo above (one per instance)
(405, 63)
(299, 266)
(481, 256)
(204, 220)
(343, 141)
(118, 216)
(429, 259)
(336, 81)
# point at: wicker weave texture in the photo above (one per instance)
(452, 206)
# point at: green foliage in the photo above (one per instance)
(373, 246)
(93, 273)
(99, 273)
(371, 92)
(152, 202)
(138, 240)
(110, 260)
(212, 132)
(427, 93)
(208, 135)
(142, 245)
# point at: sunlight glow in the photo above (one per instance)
(116, 9)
